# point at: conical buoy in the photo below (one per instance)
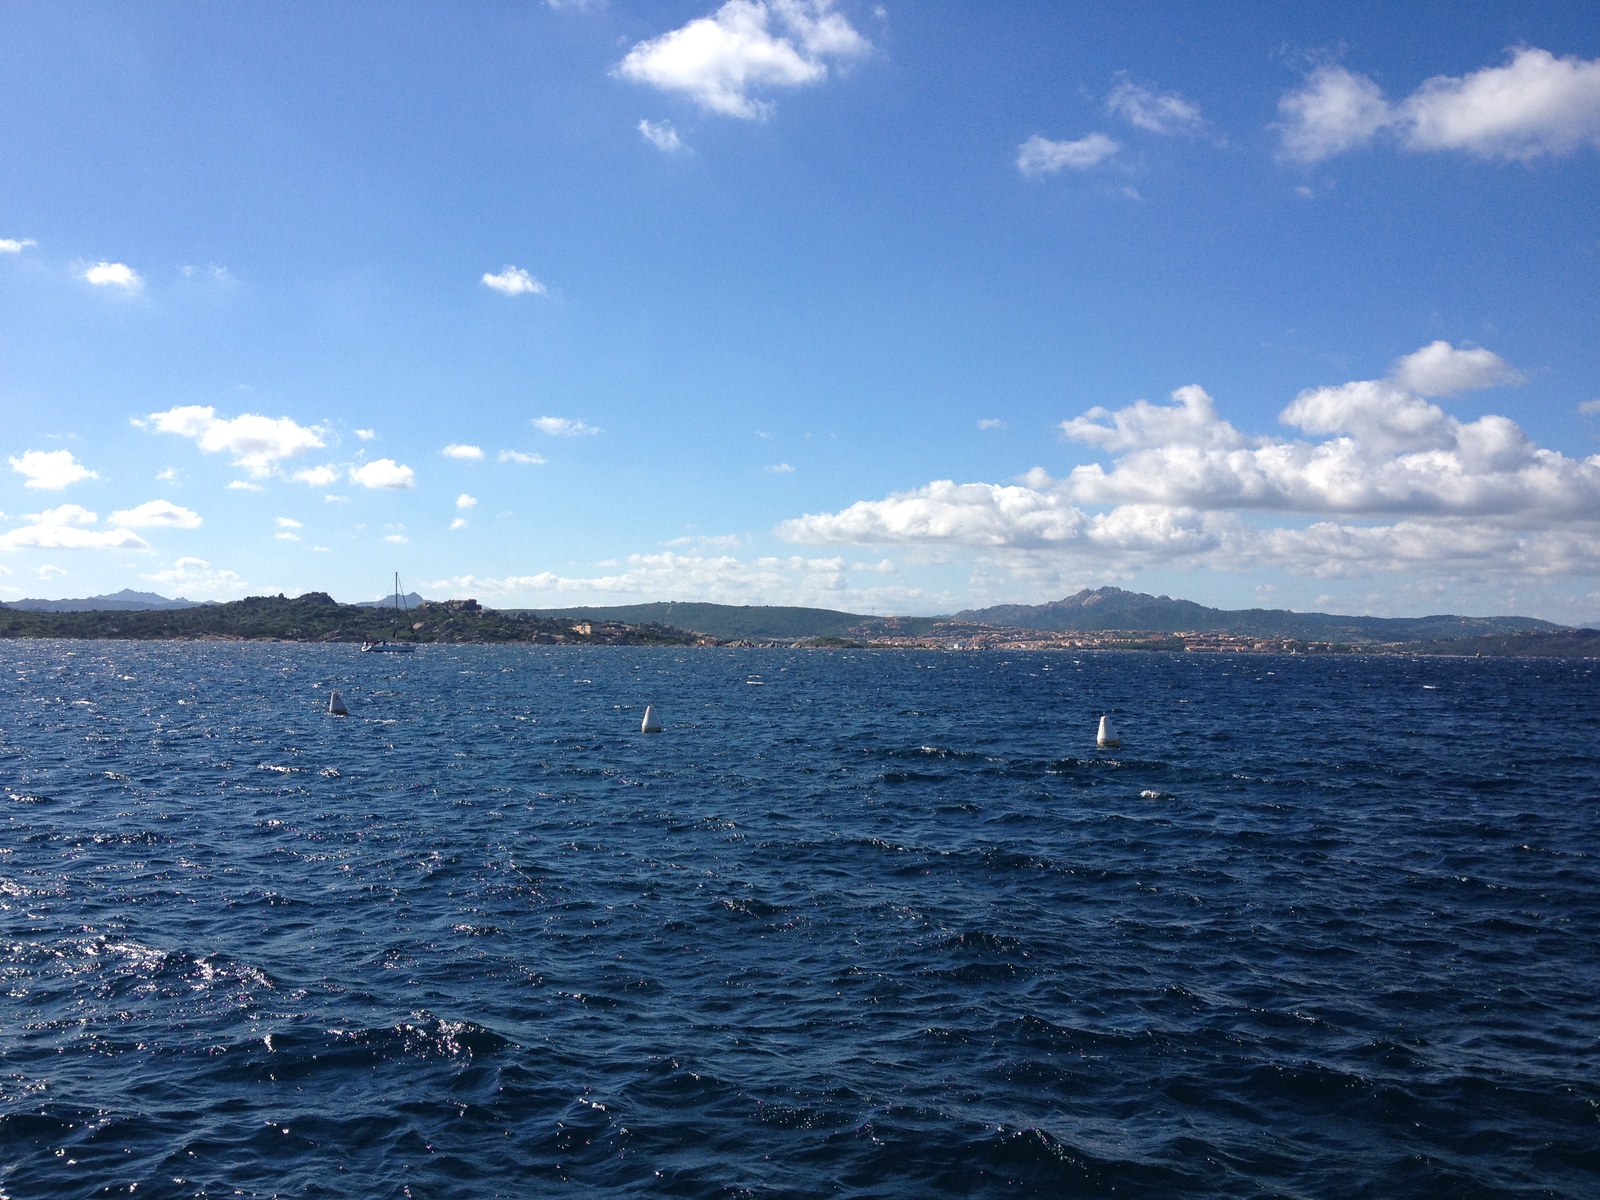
(336, 706)
(1107, 737)
(651, 723)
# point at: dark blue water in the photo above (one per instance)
(858, 923)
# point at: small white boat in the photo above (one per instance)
(384, 645)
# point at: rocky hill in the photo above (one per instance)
(1113, 608)
(317, 617)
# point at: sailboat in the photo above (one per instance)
(384, 645)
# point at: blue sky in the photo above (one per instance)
(899, 308)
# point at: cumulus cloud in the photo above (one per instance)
(513, 281)
(989, 424)
(383, 473)
(1440, 369)
(64, 528)
(724, 579)
(50, 470)
(156, 513)
(1041, 156)
(458, 450)
(1534, 105)
(563, 427)
(517, 456)
(460, 523)
(780, 469)
(663, 136)
(466, 501)
(195, 577)
(1183, 481)
(317, 477)
(366, 435)
(746, 46)
(257, 443)
(1334, 111)
(288, 523)
(15, 245)
(1156, 112)
(113, 274)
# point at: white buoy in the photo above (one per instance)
(651, 723)
(336, 706)
(1107, 738)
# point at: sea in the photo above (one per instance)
(855, 923)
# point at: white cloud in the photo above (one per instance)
(465, 501)
(723, 579)
(966, 514)
(1440, 369)
(991, 423)
(1466, 496)
(286, 536)
(66, 514)
(317, 477)
(514, 281)
(1590, 408)
(459, 523)
(110, 274)
(63, 529)
(383, 473)
(156, 513)
(1192, 421)
(288, 523)
(563, 426)
(1534, 105)
(1336, 110)
(196, 578)
(1041, 156)
(1157, 112)
(167, 474)
(50, 572)
(780, 469)
(663, 136)
(398, 539)
(50, 470)
(366, 435)
(458, 450)
(257, 443)
(516, 456)
(244, 485)
(745, 46)
(15, 245)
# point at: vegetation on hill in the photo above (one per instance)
(1113, 608)
(316, 617)
(1560, 643)
(728, 621)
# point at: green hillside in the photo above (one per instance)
(316, 617)
(1113, 608)
(728, 621)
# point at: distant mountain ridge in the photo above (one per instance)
(127, 600)
(729, 621)
(1113, 608)
(411, 600)
(1099, 609)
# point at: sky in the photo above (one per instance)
(903, 308)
